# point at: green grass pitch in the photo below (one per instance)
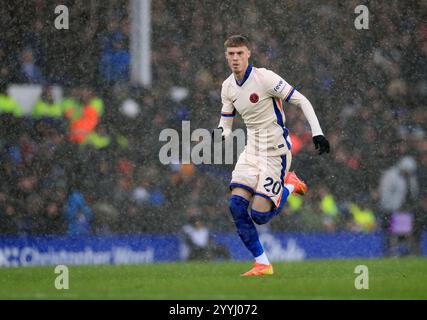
(313, 279)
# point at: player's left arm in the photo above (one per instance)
(319, 140)
(279, 88)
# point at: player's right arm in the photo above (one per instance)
(227, 113)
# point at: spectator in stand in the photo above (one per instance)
(398, 191)
(381, 73)
(29, 71)
(78, 214)
(199, 243)
(115, 56)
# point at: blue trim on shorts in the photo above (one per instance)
(235, 184)
(283, 172)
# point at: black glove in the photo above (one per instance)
(321, 144)
(213, 134)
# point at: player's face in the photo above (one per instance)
(238, 58)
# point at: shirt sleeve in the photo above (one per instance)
(277, 87)
(228, 109)
(300, 100)
(227, 113)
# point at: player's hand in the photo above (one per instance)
(321, 144)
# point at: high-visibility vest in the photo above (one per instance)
(328, 205)
(44, 109)
(122, 141)
(98, 104)
(96, 140)
(71, 109)
(295, 202)
(365, 219)
(10, 105)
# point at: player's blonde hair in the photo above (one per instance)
(237, 40)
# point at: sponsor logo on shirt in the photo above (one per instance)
(278, 87)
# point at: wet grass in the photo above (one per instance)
(312, 279)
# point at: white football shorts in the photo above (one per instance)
(262, 175)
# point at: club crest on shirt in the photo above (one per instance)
(254, 98)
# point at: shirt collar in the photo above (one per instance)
(246, 76)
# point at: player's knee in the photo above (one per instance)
(238, 206)
(261, 217)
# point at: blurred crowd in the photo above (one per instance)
(368, 88)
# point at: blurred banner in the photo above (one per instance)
(52, 250)
(300, 246)
(21, 251)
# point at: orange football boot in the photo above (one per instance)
(300, 186)
(260, 270)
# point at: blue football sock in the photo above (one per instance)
(245, 227)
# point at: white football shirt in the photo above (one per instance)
(258, 99)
